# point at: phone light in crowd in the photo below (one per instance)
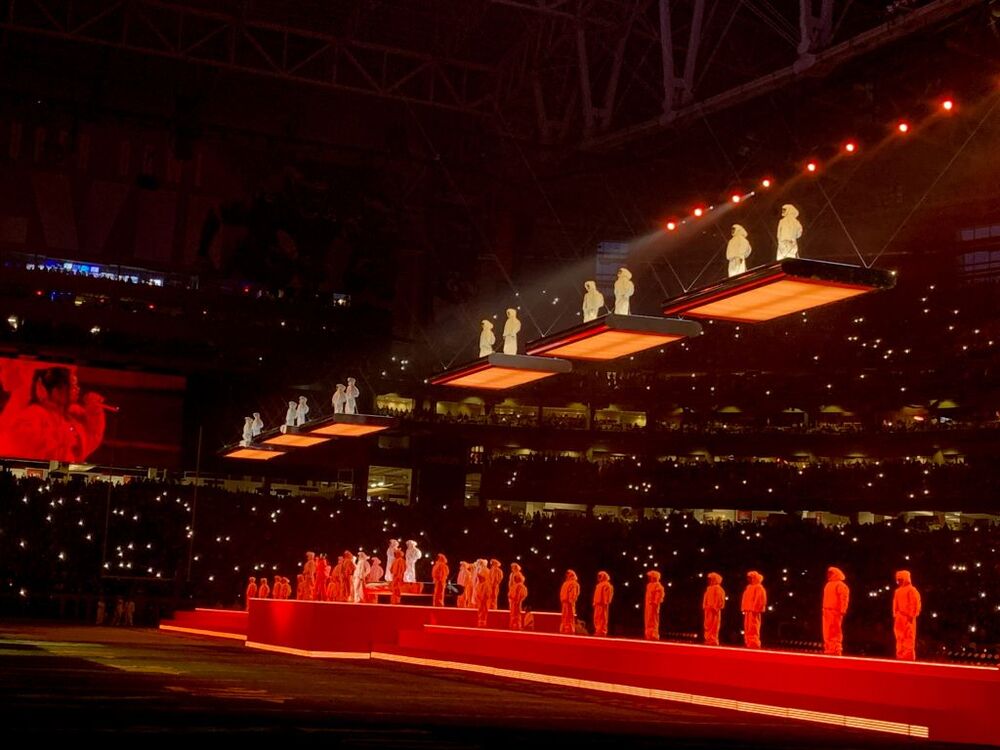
(903, 127)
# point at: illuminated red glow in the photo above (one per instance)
(766, 182)
(735, 198)
(947, 105)
(850, 147)
(699, 212)
(903, 127)
(811, 166)
(671, 226)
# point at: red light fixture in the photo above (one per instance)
(671, 226)
(947, 105)
(903, 127)
(766, 182)
(850, 147)
(699, 212)
(811, 166)
(735, 198)
(501, 371)
(613, 336)
(781, 288)
(350, 425)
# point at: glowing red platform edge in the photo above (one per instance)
(942, 702)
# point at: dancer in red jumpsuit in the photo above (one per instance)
(439, 573)
(322, 573)
(397, 569)
(483, 586)
(568, 595)
(346, 576)
(517, 592)
(712, 604)
(251, 590)
(495, 576)
(753, 606)
(905, 610)
(604, 592)
(655, 594)
(836, 595)
(264, 590)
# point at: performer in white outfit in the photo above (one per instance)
(412, 555)
(390, 554)
(737, 251)
(510, 330)
(339, 399)
(301, 411)
(593, 301)
(486, 339)
(247, 431)
(351, 405)
(624, 289)
(789, 232)
(361, 570)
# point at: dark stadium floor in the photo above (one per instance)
(56, 679)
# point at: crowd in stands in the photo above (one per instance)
(52, 541)
(857, 484)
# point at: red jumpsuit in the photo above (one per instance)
(517, 592)
(835, 598)
(753, 606)
(336, 585)
(465, 583)
(568, 595)
(712, 604)
(397, 569)
(604, 592)
(905, 610)
(264, 591)
(346, 577)
(495, 576)
(655, 594)
(483, 587)
(300, 587)
(322, 572)
(439, 573)
(251, 590)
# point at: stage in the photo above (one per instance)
(920, 700)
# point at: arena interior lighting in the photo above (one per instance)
(252, 454)
(293, 440)
(781, 288)
(351, 425)
(613, 336)
(501, 371)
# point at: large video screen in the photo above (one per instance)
(87, 415)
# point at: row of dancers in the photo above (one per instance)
(480, 584)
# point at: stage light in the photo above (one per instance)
(613, 336)
(253, 454)
(500, 371)
(765, 183)
(947, 105)
(903, 127)
(671, 226)
(850, 147)
(699, 212)
(351, 425)
(811, 166)
(782, 288)
(293, 440)
(735, 198)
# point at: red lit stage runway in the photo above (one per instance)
(921, 700)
